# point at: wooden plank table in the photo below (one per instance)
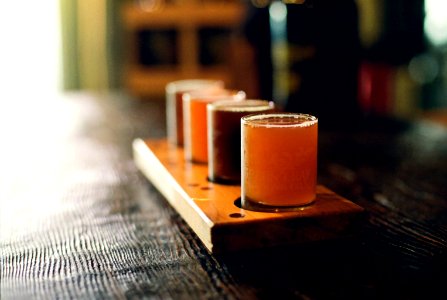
(78, 220)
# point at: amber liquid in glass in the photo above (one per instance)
(198, 131)
(279, 161)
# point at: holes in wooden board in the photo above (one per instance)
(237, 203)
(237, 215)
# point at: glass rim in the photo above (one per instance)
(247, 105)
(296, 120)
(206, 96)
(191, 84)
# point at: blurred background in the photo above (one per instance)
(318, 56)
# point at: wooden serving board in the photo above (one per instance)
(212, 210)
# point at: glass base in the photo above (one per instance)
(224, 181)
(255, 206)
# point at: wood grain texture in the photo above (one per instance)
(79, 221)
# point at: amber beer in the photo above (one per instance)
(174, 104)
(195, 120)
(279, 161)
(224, 137)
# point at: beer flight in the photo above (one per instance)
(272, 155)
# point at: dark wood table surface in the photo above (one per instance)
(78, 220)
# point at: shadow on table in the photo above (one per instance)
(348, 269)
